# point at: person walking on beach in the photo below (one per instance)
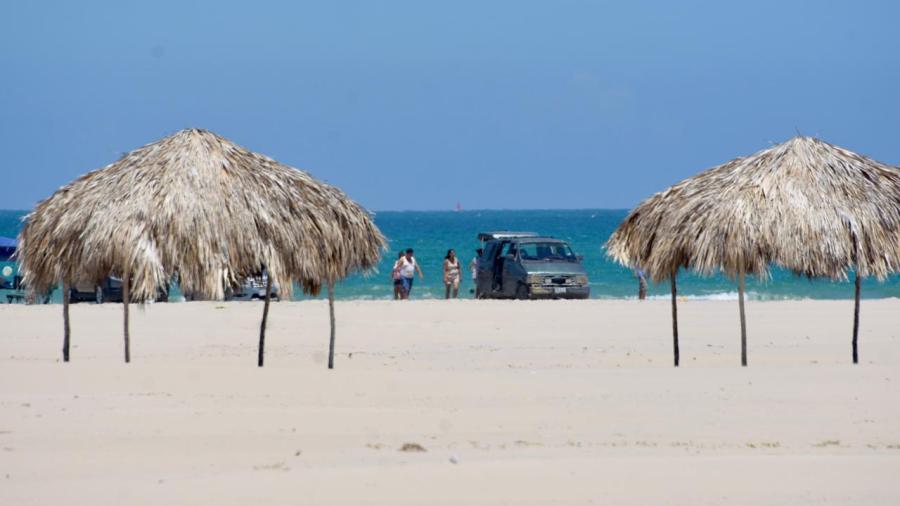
(451, 275)
(408, 271)
(642, 284)
(397, 278)
(473, 266)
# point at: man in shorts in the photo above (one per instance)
(408, 272)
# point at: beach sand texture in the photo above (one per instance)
(462, 402)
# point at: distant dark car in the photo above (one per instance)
(110, 290)
(524, 265)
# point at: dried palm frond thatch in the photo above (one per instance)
(808, 206)
(203, 209)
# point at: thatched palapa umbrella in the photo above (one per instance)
(204, 210)
(808, 206)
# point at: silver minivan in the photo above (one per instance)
(525, 265)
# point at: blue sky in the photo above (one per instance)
(418, 105)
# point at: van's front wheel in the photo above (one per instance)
(522, 292)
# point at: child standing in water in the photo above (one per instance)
(473, 266)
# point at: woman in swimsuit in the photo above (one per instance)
(451, 275)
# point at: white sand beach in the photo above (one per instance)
(512, 402)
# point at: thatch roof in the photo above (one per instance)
(199, 206)
(805, 205)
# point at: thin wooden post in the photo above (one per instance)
(66, 331)
(743, 318)
(262, 326)
(675, 319)
(125, 303)
(856, 318)
(331, 316)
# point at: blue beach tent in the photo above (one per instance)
(7, 248)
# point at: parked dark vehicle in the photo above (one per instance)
(524, 265)
(110, 290)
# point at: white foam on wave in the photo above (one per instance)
(728, 296)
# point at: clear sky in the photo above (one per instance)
(418, 105)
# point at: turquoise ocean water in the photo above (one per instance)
(431, 233)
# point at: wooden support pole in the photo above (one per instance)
(331, 316)
(262, 326)
(856, 319)
(675, 318)
(743, 318)
(126, 303)
(66, 331)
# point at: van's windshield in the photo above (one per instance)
(536, 251)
